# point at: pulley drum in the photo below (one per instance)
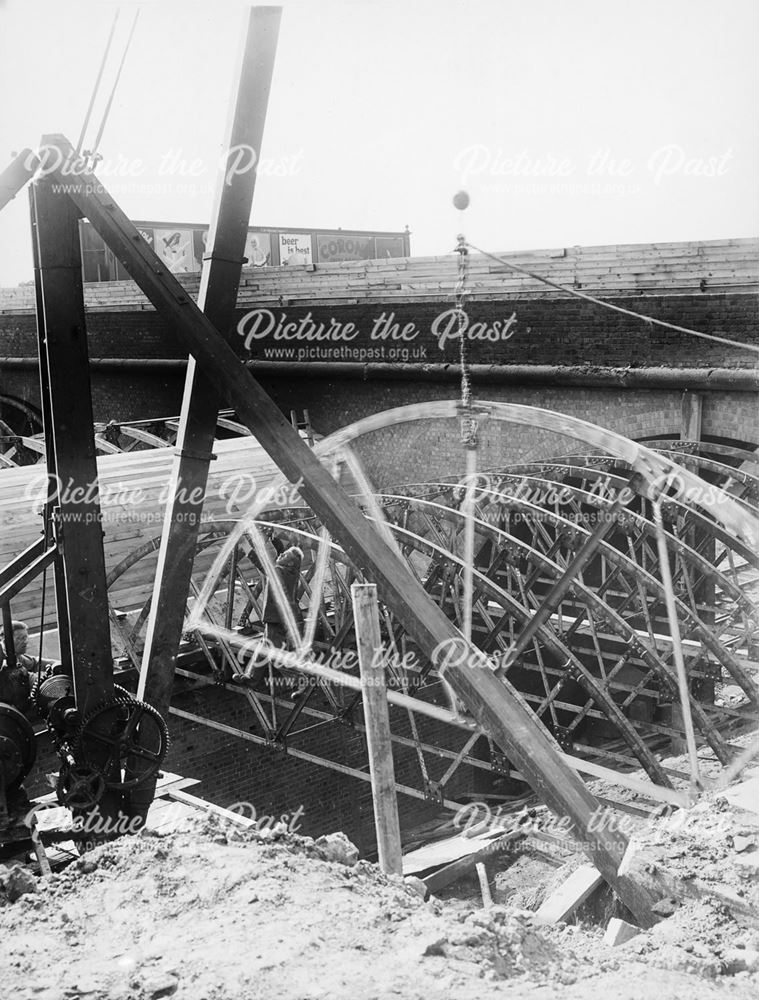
(18, 746)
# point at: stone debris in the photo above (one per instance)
(16, 881)
(417, 885)
(666, 907)
(741, 844)
(217, 910)
(619, 932)
(337, 847)
(157, 986)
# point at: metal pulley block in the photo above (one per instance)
(53, 697)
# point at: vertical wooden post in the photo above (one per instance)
(482, 875)
(217, 297)
(677, 648)
(704, 589)
(377, 721)
(81, 590)
(8, 638)
(70, 442)
(51, 533)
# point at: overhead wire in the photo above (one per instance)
(610, 305)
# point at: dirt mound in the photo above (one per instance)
(207, 914)
(216, 912)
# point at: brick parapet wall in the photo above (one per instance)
(544, 332)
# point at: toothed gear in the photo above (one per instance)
(133, 736)
(79, 787)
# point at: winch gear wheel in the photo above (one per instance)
(124, 740)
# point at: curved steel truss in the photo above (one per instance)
(598, 668)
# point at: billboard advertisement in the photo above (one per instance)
(295, 248)
(258, 249)
(182, 247)
(175, 248)
(334, 247)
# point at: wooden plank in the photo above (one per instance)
(232, 425)
(647, 788)
(570, 895)
(143, 436)
(210, 807)
(613, 270)
(744, 795)
(449, 873)
(377, 722)
(482, 875)
(36, 444)
(13, 177)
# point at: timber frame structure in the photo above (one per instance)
(67, 190)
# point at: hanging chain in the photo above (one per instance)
(468, 420)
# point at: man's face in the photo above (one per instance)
(20, 639)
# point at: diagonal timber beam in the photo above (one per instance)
(219, 284)
(496, 705)
(19, 171)
(19, 573)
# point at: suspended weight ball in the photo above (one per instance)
(461, 200)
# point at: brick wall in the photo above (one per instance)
(561, 331)
(547, 331)
(419, 450)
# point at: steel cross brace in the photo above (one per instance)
(557, 592)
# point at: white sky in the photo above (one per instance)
(383, 110)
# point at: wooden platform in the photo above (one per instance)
(133, 498)
(165, 815)
(611, 270)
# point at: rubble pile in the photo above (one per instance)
(214, 911)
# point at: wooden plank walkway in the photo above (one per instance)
(704, 267)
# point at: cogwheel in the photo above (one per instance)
(123, 739)
(79, 787)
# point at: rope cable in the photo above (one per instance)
(468, 424)
(468, 439)
(610, 305)
(99, 77)
(115, 85)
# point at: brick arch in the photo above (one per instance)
(706, 438)
(19, 415)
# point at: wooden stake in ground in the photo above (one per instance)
(482, 875)
(376, 717)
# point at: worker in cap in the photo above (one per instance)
(288, 566)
